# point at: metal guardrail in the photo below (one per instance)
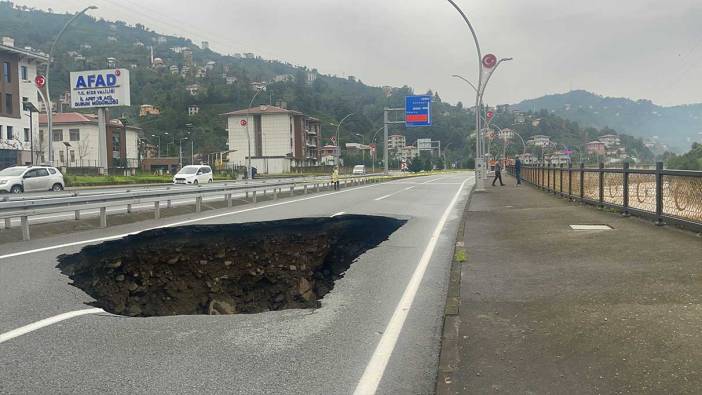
(664, 195)
(26, 208)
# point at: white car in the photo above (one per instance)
(194, 174)
(359, 170)
(18, 179)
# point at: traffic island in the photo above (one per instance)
(224, 269)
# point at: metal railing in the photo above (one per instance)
(664, 195)
(30, 206)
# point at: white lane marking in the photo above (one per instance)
(368, 383)
(75, 243)
(337, 214)
(394, 193)
(46, 322)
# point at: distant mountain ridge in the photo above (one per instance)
(677, 126)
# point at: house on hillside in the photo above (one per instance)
(596, 147)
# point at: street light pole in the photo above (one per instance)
(376, 147)
(159, 144)
(248, 135)
(49, 111)
(338, 143)
(180, 152)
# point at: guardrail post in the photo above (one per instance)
(129, 208)
(76, 215)
(157, 209)
(103, 217)
(229, 199)
(198, 204)
(625, 190)
(601, 185)
(168, 203)
(548, 177)
(8, 223)
(264, 193)
(275, 193)
(560, 179)
(253, 196)
(659, 194)
(247, 195)
(304, 189)
(582, 181)
(292, 190)
(25, 228)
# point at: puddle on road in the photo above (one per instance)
(224, 269)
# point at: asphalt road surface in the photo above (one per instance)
(378, 330)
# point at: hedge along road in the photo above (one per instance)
(325, 350)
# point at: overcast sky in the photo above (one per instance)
(630, 48)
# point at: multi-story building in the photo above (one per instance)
(75, 141)
(280, 139)
(409, 152)
(610, 140)
(193, 109)
(18, 100)
(396, 142)
(540, 140)
(148, 109)
(596, 147)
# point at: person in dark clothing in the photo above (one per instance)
(518, 171)
(498, 174)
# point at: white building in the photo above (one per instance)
(193, 89)
(193, 110)
(540, 140)
(610, 140)
(396, 142)
(18, 95)
(75, 141)
(281, 139)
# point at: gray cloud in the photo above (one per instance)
(631, 48)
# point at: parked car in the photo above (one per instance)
(193, 174)
(18, 179)
(359, 170)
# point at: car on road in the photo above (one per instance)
(359, 170)
(18, 179)
(194, 174)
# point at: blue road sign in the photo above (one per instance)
(418, 110)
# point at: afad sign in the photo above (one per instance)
(100, 88)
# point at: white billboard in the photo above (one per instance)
(424, 144)
(100, 88)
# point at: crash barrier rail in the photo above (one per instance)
(664, 195)
(24, 209)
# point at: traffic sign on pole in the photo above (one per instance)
(490, 114)
(489, 61)
(40, 81)
(243, 122)
(418, 110)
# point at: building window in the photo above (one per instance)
(58, 135)
(10, 132)
(6, 72)
(74, 134)
(23, 71)
(73, 156)
(26, 134)
(8, 103)
(41, 136)
(62, 158)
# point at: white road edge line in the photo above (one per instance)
(368, 384)
(46, 322)
(337, 214)
(189, 221)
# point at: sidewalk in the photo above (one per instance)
(549, 310)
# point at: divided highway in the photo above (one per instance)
(378, 329)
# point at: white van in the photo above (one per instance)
(359, 170)
(194, 174)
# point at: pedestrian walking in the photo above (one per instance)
(335, 178)
(518, 170)
(498, 174)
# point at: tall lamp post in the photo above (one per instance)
(49, 111)
(376, 147)
(159, 144)
(180, 152)
(248, 136)
(338, 143)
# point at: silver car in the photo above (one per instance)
(18, 179)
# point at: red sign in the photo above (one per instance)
(372, 148)
(489, 61)
(243, 122)
(490, 114)
(40, 81)
(417, 117)
(333, 140)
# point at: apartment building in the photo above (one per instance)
(18, 97)
(281, 139)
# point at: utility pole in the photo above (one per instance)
(386, 123)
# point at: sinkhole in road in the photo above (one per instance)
(224, 269)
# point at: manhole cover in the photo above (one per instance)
(591, 227)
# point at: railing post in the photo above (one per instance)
(659, 194)
(601, 185)
(304, 189)
(168, 203)
(582, 181)
(8, 223)
(129, 208)
(247, 195)
(625, 189)
(198, 204)
(570, 180)
(103, 217)
(157, 209)
(560, 179)
(25, 227)
(76, 215)
(254, 196)
(292, 190)
(275, 193)
(548, 177)
(229, 199)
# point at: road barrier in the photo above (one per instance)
(664, 195)
(29, 207)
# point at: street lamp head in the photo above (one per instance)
(92, 7)
(506, 59)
